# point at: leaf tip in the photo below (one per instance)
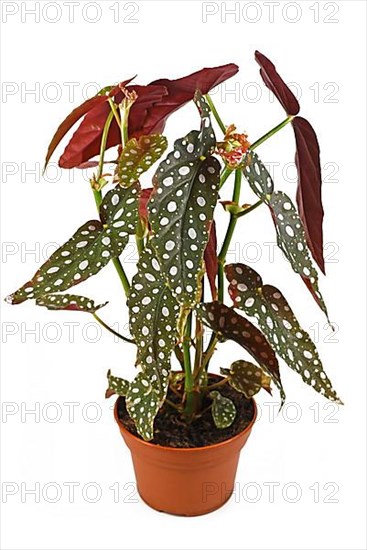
(109, 393)
(9, 299)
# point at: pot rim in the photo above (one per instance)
(186, 449)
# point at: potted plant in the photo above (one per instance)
(184, 425)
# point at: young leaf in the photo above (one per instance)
(86, 141)
(70, 120)
(275, 83)
(182, 205)
(181, 91)
(227, 323)
(143, 401)
(138, 156)
(68, 302)
(291, 240)
(148, 115)
(278, 323)
(309, 187)
(91, 248)
(223, 410)
(247, 378)
(211, 260)
(116, 385)
(153, 318)
(258, 177)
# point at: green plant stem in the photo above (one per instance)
(98, 199)
(116, 261)
(121, 273)
(124, 120)
(229, 234)
(198, 348)
(103, 145)
(111, 330)
(116, 115)
(215, 113)
(222, 255)
(222, 260)
(189, 379)
(221, 263)
(271, 132)
(199, 344)
(124, 113)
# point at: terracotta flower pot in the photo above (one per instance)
(185, 482)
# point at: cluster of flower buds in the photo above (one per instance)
(233, 148)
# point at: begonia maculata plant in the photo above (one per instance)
(177, 296)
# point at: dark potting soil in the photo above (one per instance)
(172, 431)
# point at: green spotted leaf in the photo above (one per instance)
(116, 385)
(181, 208)
(138, 156)
(228, 324)
(143, 401)
(68, 302)
(153, 318)
(119, 210)
(291, 237)
(292, 241)
(91, 247)
(247, 378)
(277, 321)
(223, 410)
(258, 177)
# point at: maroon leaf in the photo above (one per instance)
(211, 260)
(70, 120)
(309, 187)
(86, 141)
(143, 201)
(182, 91)
(228, 324)
(277, 85)
(147, 115)
(78, 113)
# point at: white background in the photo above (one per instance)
(312, 443)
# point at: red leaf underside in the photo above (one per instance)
(276, 84)
(309, 199)
(148, 114)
